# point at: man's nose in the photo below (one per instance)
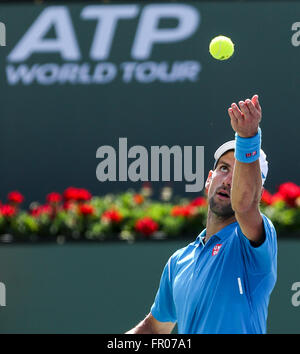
(228, 180)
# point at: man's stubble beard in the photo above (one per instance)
(222, 211)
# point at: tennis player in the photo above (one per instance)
(221, 283)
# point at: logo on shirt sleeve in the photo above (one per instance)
(216, 249)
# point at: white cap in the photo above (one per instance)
(230, 145)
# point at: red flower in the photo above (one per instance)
(266, 197)
(138, 199)
(146, 226)
(70, 193)
(277, 197)
(83, 195)
(41, 210)
(15, 197)
(290, 192)
(7, 210)
(53, 197)
(200, 201)
(183, 210)
(176, 210)
(112, 216)
(86, 209)
(69, 205)
(78, 194)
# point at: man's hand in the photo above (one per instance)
(245, 118)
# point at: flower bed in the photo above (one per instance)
(76, 214)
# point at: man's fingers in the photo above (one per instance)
(251, 107)
(231, 115)
(244, 108)
(255, 101)
(236, 112)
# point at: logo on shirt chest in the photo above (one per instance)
(216, 249)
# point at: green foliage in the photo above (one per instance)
(127, 216)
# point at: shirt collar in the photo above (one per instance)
(223, 233)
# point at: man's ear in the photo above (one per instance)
(208, 181)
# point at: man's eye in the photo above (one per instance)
(223, 168)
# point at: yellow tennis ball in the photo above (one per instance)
(221, 47)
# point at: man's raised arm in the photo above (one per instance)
(247, 181)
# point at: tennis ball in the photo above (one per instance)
(221, 47)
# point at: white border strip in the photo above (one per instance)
(240, 285)
(169, 269)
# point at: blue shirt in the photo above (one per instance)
(220, 287)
